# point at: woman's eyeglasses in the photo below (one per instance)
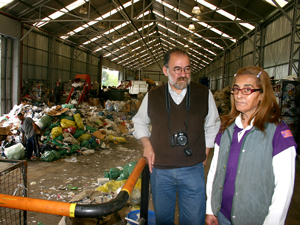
(245, 91)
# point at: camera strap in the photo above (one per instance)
(187, 106)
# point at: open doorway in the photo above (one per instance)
(110, 78)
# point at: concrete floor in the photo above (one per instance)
(293, 217)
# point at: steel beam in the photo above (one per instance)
(295, 41)
(51, 61)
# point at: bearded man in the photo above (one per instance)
(184, 121)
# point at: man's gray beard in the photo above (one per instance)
(179, 86)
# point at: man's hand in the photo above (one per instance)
(148, 152)
(211, 220)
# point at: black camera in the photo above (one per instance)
(180, 138)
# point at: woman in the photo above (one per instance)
(251, 177)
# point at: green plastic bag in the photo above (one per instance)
(129, 167)
(46, 121)
(59, 138)
(63, 152)
(127, 170)
(113, 173)
(53, 125)
(47, 139)
(56, 143)
(123, 176)
(50, 156)
(74, 149)
(90, 128)
(78, 133)
(56, 153)
(69, 106)
(94, 143)
(65, 116)
(47, 132)
(85, 144)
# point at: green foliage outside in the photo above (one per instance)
(109, 78)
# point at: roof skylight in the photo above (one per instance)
(4, 2)
(224, 13)
(110, 13)
(60, 12)
(201, 23)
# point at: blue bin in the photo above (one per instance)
(133, 215)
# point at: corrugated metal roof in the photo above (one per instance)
(136, 33)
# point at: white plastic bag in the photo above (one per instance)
(15, 152)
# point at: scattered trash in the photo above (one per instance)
(72, 159)
(71, 187)
(102, 181)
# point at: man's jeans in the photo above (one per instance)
(30, 147)
(190, 184)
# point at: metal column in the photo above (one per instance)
(257, 46)
(295, 41)
(51, 60)
(237, 56)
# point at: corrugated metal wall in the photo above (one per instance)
(48, 60)
(154, 72)
(6, 65)
(275, 45)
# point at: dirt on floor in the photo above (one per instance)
(55, 180)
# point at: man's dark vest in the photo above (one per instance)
(167, 157)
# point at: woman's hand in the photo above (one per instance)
(211, 220)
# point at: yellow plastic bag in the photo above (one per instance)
(78, 121)
(56, 131)
(119, 140)
(84, 137)
(67, 123)
(111, 186)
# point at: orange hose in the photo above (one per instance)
(134, 176)
(37, 205)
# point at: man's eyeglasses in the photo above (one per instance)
(245, 91)
(178, 70)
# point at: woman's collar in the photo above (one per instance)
(238, 122)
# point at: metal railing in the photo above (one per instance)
(13, 182)
(88, 211)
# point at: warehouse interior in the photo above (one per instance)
(45, 41)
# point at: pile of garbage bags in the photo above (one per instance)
(222, 99)
(66, 130)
